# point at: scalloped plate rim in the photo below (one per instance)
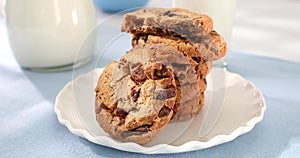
(186, 147)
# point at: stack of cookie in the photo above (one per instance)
(162, 78)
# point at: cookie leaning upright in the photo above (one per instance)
(167, 21)
(136, 97)
(138, 105)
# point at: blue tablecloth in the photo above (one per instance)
(29, 127)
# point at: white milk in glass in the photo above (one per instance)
(221, 11)
(47, 34)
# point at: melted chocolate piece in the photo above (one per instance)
(178, 65)
(121, 112)
(138, 75)
(139, 22)
(197, 59)
(167, 12)
(165, 94)
(164, 112)
(138, 131)
(135, 95)
(103, 106)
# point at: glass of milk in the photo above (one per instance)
(221, 11)
(46, 35)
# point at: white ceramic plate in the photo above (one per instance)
(243, 107)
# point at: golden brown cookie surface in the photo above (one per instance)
(167, 21)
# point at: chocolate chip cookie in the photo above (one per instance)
(167, 22)
(136, 106)
(143, 92)
(208, 48)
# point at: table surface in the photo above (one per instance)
(29, 127)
